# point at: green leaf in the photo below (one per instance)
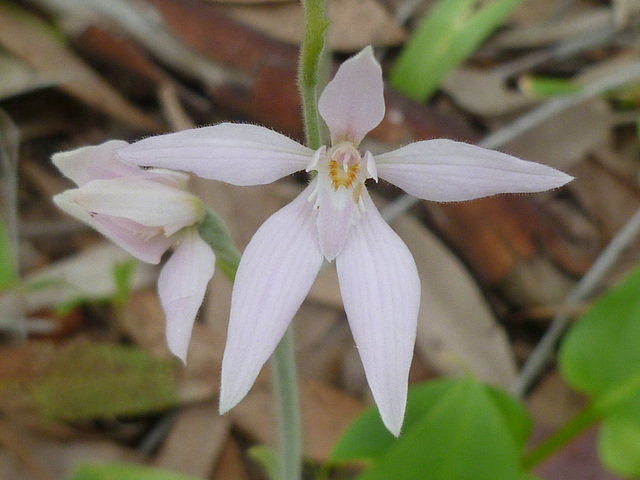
(124, 471)
(8, 271)
(268, 459)
(9, 143)
(449, 34)
(454, 429)
(548, 87)
(600, 356)
(123, 276)
(102, 380)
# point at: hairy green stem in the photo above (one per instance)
(288, 405)
(213, 231)
(310, 68)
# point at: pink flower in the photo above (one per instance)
(145, 212)
(334, 218)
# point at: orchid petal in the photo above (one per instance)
(148, 250)
(335, 215)
(145, 202)
(85, 164)
(381, 293)
(352, 104)
(274, 276)
(181, 286)
(444, 171)
(239, 154)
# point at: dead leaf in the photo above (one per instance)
(567, 137)
(16, 77)
(285, 21)
(144, 324)
(195, 441)
(230, 466)
(607, 198)
(457, 331)
(30, 39)
(484, 92)
(46, 459)
(87, 275)
(326, 413)
(544, 33)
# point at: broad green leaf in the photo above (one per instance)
(102, 380)
(451, 31)
(124, 471)
(454, 429)
(602, 350)
(600, 356)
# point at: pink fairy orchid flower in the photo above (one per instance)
(334, 218)
(146, 212)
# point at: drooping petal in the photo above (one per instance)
(148, 249)
(444, 171)
(274, 276)
(239, 154)
(145, 202)
(352, 104)
(381, 294)
(181, 286)
(336, 210)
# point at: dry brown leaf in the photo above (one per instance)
(230, 466)
(47, 459)
(285, 22)
(608, 199)
(86, 275)
(16, 77)
(457, 332)
(544, 33)
(30, 39)
(144, 324)
(195, 441)
(484, 92)
(326, 413)
(567, 137)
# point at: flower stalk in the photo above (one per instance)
(312, 56)
(287, 403)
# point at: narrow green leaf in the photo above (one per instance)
(600, 356)
(8, 270)
(453, 429)
(124, 471)
(123, 276)
(450, 33)
(9, 143)
(545, 87)
(103, 380)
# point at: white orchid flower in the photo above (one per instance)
(334, 218)
(146, 212)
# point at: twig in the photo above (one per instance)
(584, 289)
